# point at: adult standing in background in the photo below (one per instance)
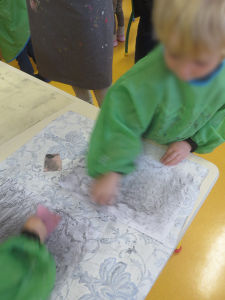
(73, 43)
(146, 39)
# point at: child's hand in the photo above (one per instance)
(36, 225)
(104, 189)
(50, 219)
(175, 153)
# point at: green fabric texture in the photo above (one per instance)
(27, 270)
(149, 101)
(14, 27)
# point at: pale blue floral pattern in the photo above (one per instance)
(113, 283)
(97, 257)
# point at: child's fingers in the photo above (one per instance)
(175, 161)
(167, 154)
(168, 157)
(97, 197)
(104, 199)
(164, 157)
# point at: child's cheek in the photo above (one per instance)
(169, 62)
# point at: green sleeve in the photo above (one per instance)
(212, 134)
(27, 270)
(116, 140)
(14, 28)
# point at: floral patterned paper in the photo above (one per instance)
(97, 256)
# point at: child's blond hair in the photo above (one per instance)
(190, 27)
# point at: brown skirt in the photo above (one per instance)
(73, 41)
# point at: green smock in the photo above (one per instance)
(149, 101)
(27, 270)
(14, 28)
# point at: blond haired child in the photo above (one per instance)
(174, 96)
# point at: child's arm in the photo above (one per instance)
(212, 134)
(27, 270)
(206, 139)
(116, 140)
